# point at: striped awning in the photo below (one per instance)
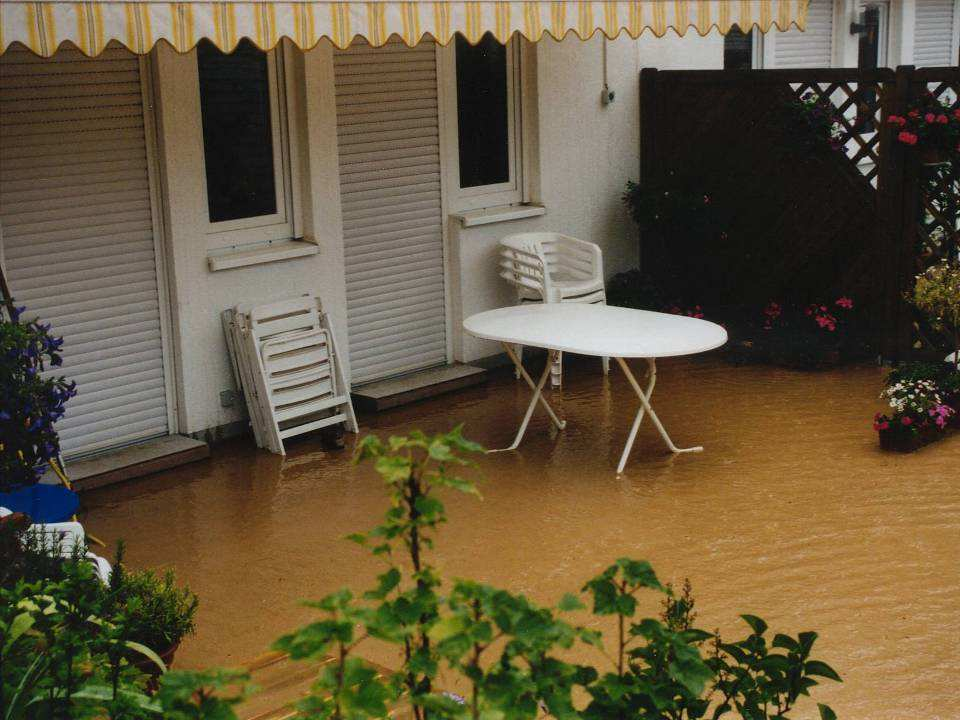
(43, 26)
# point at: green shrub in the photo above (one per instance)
(159, 613)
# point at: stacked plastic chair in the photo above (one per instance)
(284, 358)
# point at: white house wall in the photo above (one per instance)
(198, 295)
(586, 155)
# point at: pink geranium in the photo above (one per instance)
(845, 303)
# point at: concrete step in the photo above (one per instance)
(384, 394)
(280, 683)
(135, 461)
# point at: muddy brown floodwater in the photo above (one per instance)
(792, 513)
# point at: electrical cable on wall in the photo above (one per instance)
(606, 94)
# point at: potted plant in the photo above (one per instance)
(811, 336)
(937, 294)
(158, 612)
(920, 411)
(930, 126)
(31, 402)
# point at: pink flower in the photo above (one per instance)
(942, 119)
(845, 303)
(956, 114)
(930, 117)
(907, 138)
(906, 420)
(882, 425)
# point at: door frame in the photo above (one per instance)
(168, 347)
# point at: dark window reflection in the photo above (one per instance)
(482, 112)
(237, 141)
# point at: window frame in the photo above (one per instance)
(279, 225)
(512, 192)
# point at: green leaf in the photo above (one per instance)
(786, 642)
(758, 626)
(570, 602)
(817, 667)
(825, 712)
(20, 624)
(147, 653)
(639, 573)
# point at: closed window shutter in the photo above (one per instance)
(388, 134)
(811, 48)
(78, 235)
(933, 35)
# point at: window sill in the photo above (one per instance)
(258, 255)
(504, 213)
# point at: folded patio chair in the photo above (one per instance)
(285, 358)
(547, 267)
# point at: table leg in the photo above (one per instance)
(537, 396)
(646, 408)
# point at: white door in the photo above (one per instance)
(388, 133)
(78, 241)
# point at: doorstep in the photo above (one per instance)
(384, 394)
(135, 461)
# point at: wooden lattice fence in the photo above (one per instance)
(859, 215)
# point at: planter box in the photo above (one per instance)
(896, 440)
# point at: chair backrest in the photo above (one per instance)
(523, 264)
(530, 261)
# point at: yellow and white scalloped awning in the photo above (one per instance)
(43, 26)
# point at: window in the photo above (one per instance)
(872, 29)
(741, 50)
(871, 54)
(483, 108)
(244, 141)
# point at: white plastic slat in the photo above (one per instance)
(388, 132)
(77, 230)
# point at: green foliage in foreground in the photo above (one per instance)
(507, 653)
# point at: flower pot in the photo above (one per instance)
(932, 155)
(148, 667)
(895, 440)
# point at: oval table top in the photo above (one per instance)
(600, 330)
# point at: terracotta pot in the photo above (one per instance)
(148, 667)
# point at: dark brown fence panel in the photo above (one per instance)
(806, 221)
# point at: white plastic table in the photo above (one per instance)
(601, 331)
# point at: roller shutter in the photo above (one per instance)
(78, 239)
(933, 34)
(388, 134)
(811, 48)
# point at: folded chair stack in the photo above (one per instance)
(284, 359)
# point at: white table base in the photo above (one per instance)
(645, 407)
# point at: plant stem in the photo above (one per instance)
(477, 649)
(337, 711)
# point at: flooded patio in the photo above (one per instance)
(791, 513)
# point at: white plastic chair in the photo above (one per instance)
(553, 268)
(65, 537)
